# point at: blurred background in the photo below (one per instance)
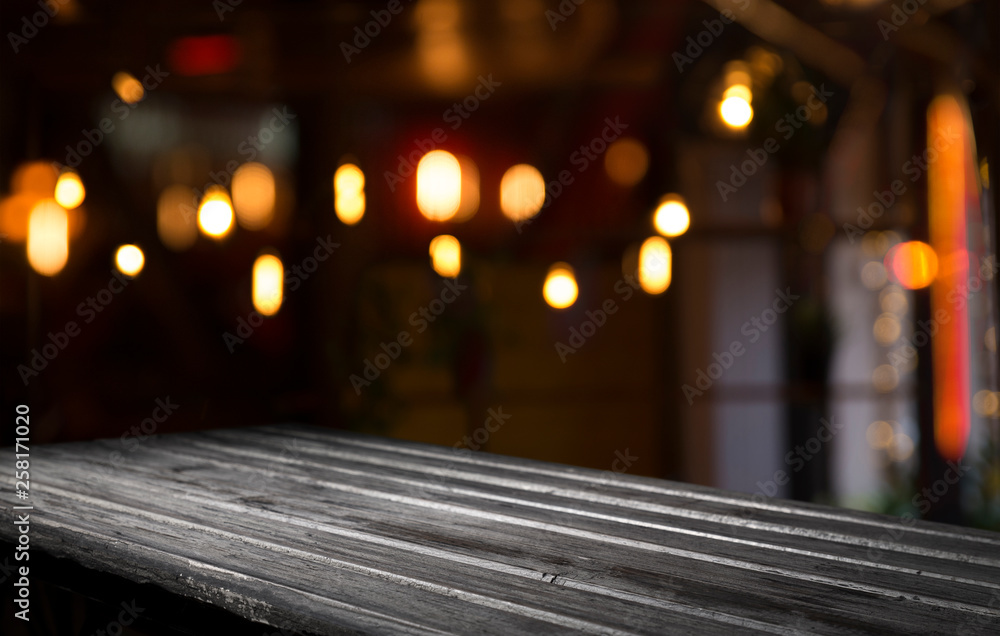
(741, 243)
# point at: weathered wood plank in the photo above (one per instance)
(322, 531)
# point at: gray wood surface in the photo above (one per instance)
(331, 532)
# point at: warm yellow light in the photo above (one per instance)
(446, 255)
(655, 265)
(560, 290)
(439, 185)
(69, 190)
(901, 448)
(880, 434)
(985, 402)
(738, 90)
(268, 284)
(175, 217)
(441, 49)
(215, 214)
(671, 217)
(522, 192)
(470, 190)
(48, 237)
(254, 194)
(626, 161)
(873, 275)
(349, 193)
(35, 177)
(885, 378)
(130, 260)
(887, 329)
(127, 87)
(736, 111)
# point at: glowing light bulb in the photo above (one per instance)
(69, 190)
(522, 192)
(913, 263)
(254, 194)
(48, 237)
(655, 265)
(215, 214)
(127, 87)
(671, 217)
(130, 260)
(439, 185)
(268, 284)
(349, 193)
(446, 255)
(560, 290)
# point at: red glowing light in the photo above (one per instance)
(205, 55)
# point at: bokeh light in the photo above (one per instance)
(215, 214)
(887, 329)
(254, 194)
(48, 237)
(268, 284)
(522, 192)
(901, 448)
(880, 434)
(986, 403)
(913, 264)
(655, 265)
(127, 87)
(560, 289)
(446, 255)
(626, 161)
(439, 185)
(69, 190)
(129, 260)
(671, 217)
(885, 378)
(35, 177)
(175, 217)
(873, 275)
(349, 193)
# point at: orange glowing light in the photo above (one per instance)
(69, 190)
(914, 264)
(446, 256)
(36, 177)
(254, 194)
(655, 265)
(950, 187)
(215, 213)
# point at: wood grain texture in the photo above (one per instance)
(331, 532)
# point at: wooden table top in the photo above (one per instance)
(328, 532)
